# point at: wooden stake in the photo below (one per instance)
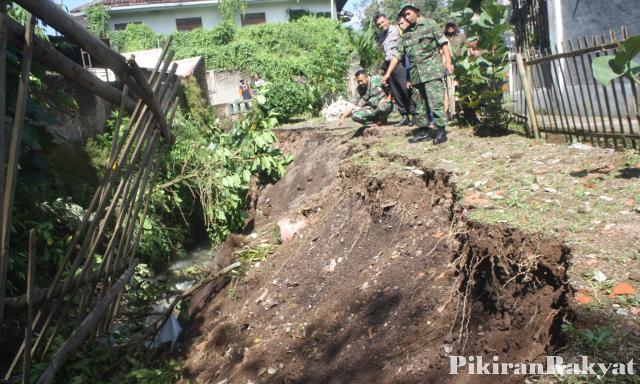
(57, 18)
(3, 94)
(14, 154)
(88, 324)
(31, 264)
(526, 87)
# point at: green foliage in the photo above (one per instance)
(313, 51)
(367, 48)
(230, 8)
(287, 99)
(97, 18)
(170, 372)
(135, 37)
(607, 68)
(218, 165)
(482, 76)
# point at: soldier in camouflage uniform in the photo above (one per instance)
(373, 104)
(421, 42)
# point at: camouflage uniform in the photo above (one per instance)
(372, 105)
(421, 43)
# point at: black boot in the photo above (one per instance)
(441, 136)
(422, 134)
(412, 122)
(403, 122)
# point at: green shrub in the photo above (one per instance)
(315, 50)
(135, 37)
(286, 99)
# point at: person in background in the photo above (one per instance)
(245, 93)
(457, 38)
(372, 102)
(388, 40)
(422, 42)
(457, 42)
(257, 80)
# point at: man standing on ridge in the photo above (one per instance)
(388, 40)
(422, 42)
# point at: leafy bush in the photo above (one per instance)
(314, 50)
(286, 99)
(482, 76)
(97, 18)
(135, 37)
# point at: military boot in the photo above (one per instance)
(403, 122)
(441, 136)
(422, 134)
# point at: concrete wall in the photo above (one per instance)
(569, 19)
(163, 20)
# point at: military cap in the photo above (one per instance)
(408, 5)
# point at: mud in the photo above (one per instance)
(386, 281)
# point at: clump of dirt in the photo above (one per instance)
(387, 280)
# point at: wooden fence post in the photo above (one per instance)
(14, 155)
(528, 94)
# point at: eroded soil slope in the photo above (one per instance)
(384, 281)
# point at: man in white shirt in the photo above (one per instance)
(388, 40)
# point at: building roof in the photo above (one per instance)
(130, 3)
(148, 59)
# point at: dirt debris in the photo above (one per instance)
(388, 278)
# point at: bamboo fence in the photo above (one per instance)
(84, 297)
(556, 92)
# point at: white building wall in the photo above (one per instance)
(163, 20)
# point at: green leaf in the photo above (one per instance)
(602, 70)
(261, 99)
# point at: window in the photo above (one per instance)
(189, 23)
(253, 18)
(123, 26)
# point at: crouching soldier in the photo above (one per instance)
(372, 102)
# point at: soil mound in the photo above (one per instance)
(386, 280)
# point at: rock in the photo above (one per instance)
(635, 276)
(272, 370)
(418, 172)
(550, 190)
(606, 198)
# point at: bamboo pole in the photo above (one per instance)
(57, 18)
(581, 51)
(3, 95)
(558, 92)
(31, 264)
(635, 108)
(39, 296)
(14, 154)
(606, 98)
(571, 106)
(88, 324)
(587, 70)
(547, 92)
(612, 37)
(526, 86)
(51, 58)
(597, 94)
(577, 79)
(532, 83)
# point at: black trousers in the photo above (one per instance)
(401, 94)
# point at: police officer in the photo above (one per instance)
(422, 42)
